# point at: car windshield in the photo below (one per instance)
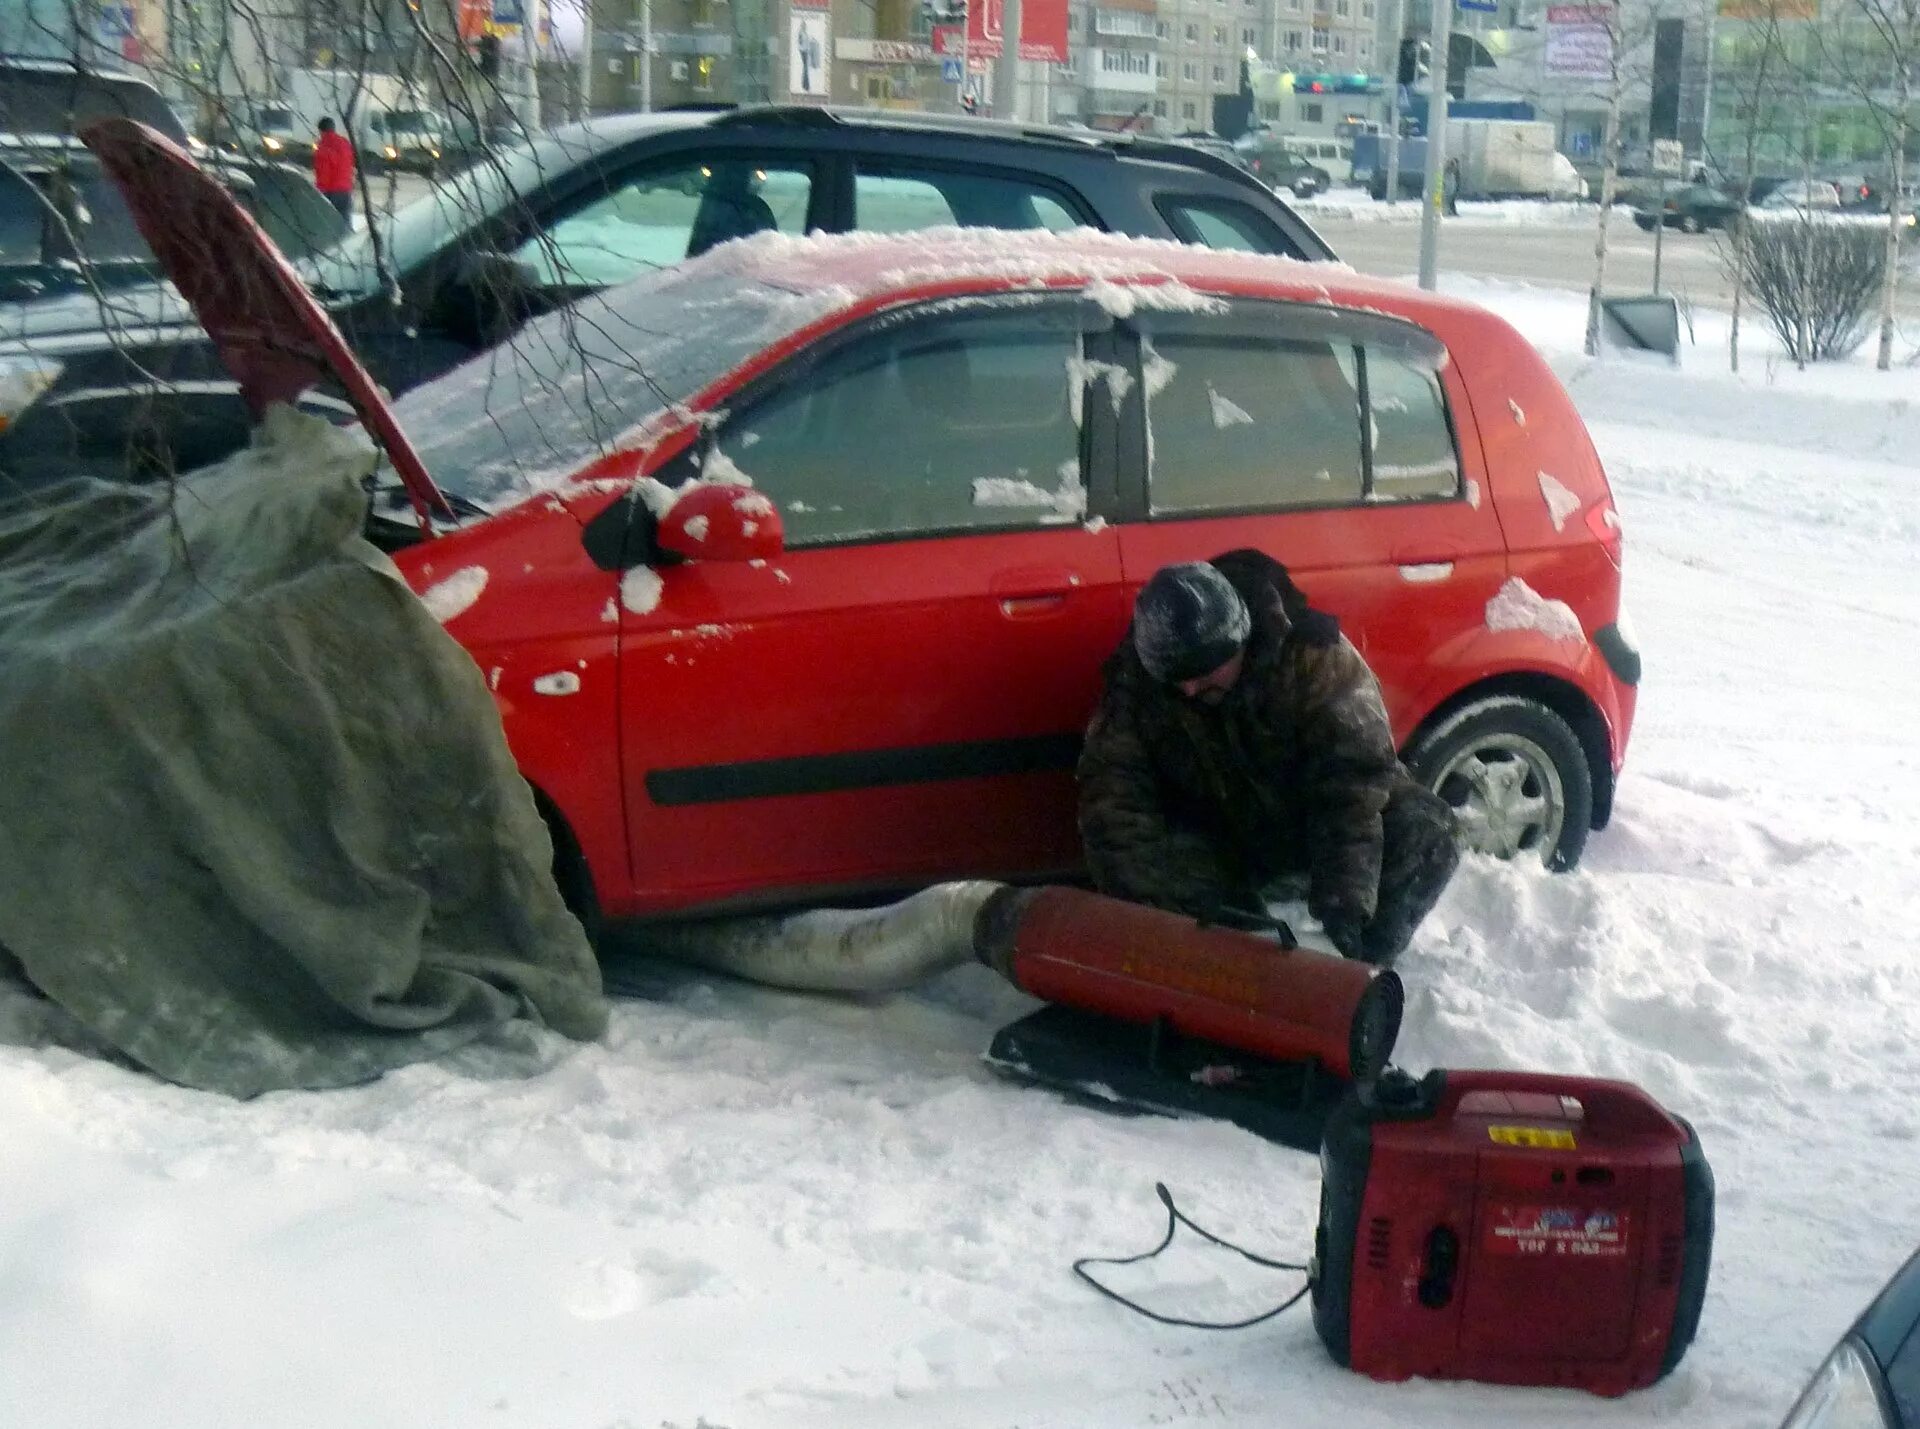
(568, 387)
(453, 207)
(410, 121)
(273, 118)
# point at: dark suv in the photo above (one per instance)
(527, 230)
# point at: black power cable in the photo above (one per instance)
(1175, 1219)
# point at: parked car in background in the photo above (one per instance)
(1872, 1378)
(1811, 196)
(64, 229)
(41, 99)
(1279, 163)
(583, 208)
(949, 442)
(1691, 208)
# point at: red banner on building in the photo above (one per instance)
(1043, 31)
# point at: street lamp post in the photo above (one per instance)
(1399, 32)
(1436, 184)
(1006, 78)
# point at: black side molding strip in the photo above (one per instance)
(862, 769)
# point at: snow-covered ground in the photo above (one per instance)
(749, 1209)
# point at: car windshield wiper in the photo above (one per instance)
(390, 493)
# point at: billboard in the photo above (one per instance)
(1043, 32)
(1769, 9)
(501, 18)
(809, 43)
(1580, 41)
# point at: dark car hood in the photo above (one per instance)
(273, 336)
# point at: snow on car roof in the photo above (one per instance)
(876, 265)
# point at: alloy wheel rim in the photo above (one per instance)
(1506, 796)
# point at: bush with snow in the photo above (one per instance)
(1812, 277)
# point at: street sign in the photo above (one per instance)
(950, 69)
(1485, 7)
(1669, 158)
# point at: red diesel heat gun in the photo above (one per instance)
(1513, 1227)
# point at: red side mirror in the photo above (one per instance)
(718, 521)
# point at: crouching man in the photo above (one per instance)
(1241, 742)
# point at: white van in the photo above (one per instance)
(1333, 155)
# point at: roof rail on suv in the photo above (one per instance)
(814, 116)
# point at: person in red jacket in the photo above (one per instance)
(333, 168)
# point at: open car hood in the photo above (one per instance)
(272, 335)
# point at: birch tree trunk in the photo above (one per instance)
(1609, 181)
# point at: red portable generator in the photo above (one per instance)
(1513, 1227)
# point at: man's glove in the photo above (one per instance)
(1345, 929)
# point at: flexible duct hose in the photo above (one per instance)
(838, 950)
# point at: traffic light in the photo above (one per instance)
(486, 54)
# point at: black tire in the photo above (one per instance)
(1533, 752)
(571, 873)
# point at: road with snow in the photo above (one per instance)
(1556, 252)
(751, 1210)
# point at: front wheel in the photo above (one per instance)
(1515, 776)
(1689, 223)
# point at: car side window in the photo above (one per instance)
(663, 216)
(97, 220)
(897, 198)
(1246, 421)
(950, 424)
(1222, 223)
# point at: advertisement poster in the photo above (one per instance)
(808, 46)
(1579, 42)
(1043, 30)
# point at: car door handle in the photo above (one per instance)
(1033, 591)
(1030, 581)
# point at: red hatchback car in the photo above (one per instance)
(792, 569)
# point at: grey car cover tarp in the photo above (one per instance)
(259, 826)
